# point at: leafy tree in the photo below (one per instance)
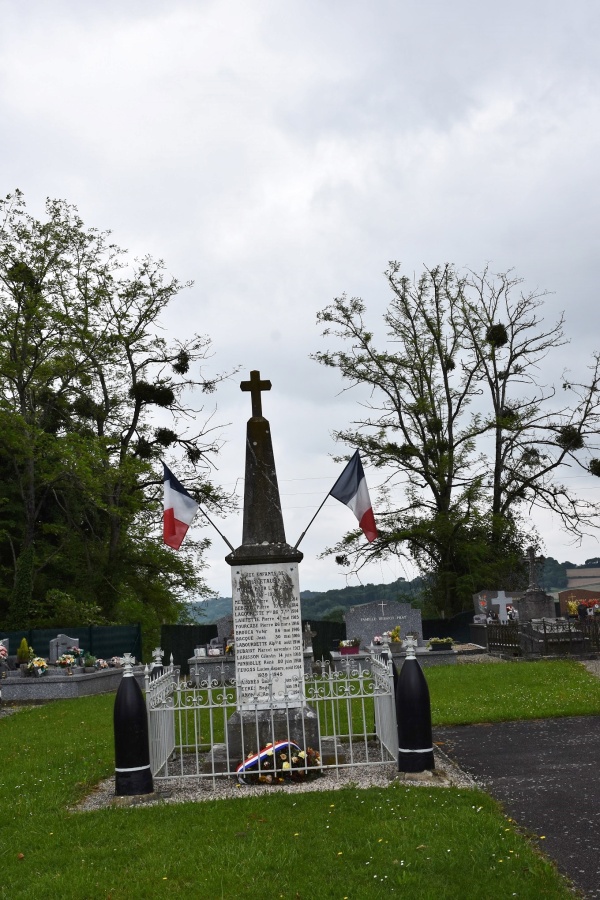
(91, 395)
(457, 377)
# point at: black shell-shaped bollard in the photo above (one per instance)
(132, 748)
(413, 713)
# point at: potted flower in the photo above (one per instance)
(572, 608)
(37, 665)
(435, 643)
(349, 646)
(78, 653)
(89, 662)
(101, 664)
(65, 661)
(393, 636)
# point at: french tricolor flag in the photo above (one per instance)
(351, 489)
(179, 510)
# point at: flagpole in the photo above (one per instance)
(312, 520)
(204, 513)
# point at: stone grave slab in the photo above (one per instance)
(60, 644)
(372, 619)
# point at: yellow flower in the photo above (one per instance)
(286, 765)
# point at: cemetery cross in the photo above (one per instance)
(255, 386)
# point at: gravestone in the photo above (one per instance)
(224, 629)
(60, 644)
(488, 601)
(535, 603)
(372, 619)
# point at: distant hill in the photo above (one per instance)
(205, 612)
(332, 604)
(319, 604)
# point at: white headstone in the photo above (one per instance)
(503, 601)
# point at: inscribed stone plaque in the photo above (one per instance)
(372, 619)
(267, 627)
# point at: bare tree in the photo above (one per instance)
(459, 375)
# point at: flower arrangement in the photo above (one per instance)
(279, 762)
(572, 605)
(377, 640)
(440, 642)
(115, 662)
(350, 642)
(393, 636)
(65, 660)
(37, 666)
(3, 653)
(101, 664)
(229, 647)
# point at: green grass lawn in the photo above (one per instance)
(517, 690)
(419, 842)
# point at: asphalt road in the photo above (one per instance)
(546, 774)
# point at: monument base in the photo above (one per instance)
(535, 605)
(248, 731)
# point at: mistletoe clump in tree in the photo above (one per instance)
(467, 435)
(91, 395)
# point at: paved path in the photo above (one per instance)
(546, 774)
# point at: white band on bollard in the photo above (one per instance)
(133, 769)
(427, 750)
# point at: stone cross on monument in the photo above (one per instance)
(255, 386)
(263, 534)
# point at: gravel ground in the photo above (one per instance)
(9, 710)
(196, 790)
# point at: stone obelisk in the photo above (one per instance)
(267, 620)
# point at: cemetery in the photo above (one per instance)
(67, 672)
(258, 711)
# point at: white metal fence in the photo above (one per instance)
(354, 707)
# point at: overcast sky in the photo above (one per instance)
(280, 153)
